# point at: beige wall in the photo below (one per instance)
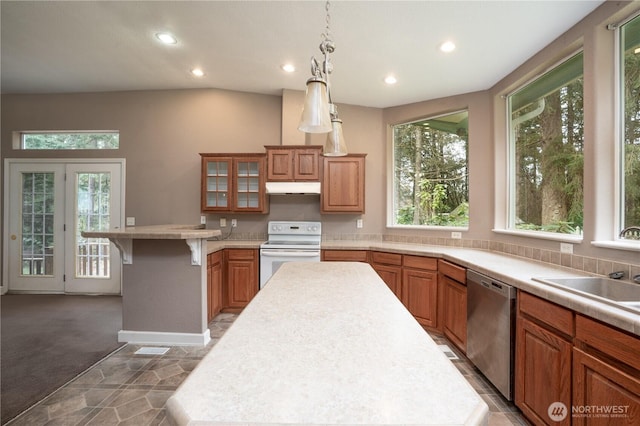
(162, 133)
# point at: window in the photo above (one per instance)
(630, 150)
(546, 124)
(69, 140)
(430, 178)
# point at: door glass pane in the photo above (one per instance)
(93, 194)
(37, 224)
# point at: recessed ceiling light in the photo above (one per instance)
(390, 79)
(166, 38)
(448, 46)
(197, 72)
(288, 68)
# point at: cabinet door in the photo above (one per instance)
(391, 275)
(543, 372)
(419, 293)
(306, 164)
(599, 384)
(249, 188)
(242, 277)
(454, 317)
(279, 164)
(216, 184)
(343, 184)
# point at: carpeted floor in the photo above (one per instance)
(49, 339)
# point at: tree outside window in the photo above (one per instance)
(546, 138)
(431, 171)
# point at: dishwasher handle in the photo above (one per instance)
(490, 284)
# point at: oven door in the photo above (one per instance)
(272, 259)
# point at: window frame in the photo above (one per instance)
(19, 139)
(391, 193)
(506, 224)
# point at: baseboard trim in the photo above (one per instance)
(164, 338)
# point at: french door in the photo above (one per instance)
(49, 205)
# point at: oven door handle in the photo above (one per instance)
(305, 253)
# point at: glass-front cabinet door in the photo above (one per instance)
(234, 183)
(216, 185)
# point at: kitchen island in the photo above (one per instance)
(164, 283)
(326, 343)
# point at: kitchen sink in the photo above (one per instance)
(618, 293)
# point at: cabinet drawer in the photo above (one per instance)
(621, 346)
(344, 255)
(546, 312)
(386, 258)
(215, 257)
(241, 254)
(420, 262)
(453, 271)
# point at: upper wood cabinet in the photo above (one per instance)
(233, 183)
(343, 184)
(293, 163)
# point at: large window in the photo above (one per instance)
(546, 147)
(630, 158)
(69, 140)
(430, 177)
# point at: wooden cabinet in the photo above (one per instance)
(293, 163)
(233, 183)
(241, 278)
(345, 256)
(343, 184)
(453, 299)
(389, 267)
(543, 358)
(420, 288)
(214, 284)
(606, 374)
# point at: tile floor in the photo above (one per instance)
(130, 389)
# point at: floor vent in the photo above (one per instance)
(151, 351)
(448, 352)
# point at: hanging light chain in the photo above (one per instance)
(327, 32)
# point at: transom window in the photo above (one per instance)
(630, 149)
(546, 123)
(70, 140)
(430, 176)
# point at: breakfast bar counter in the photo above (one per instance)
(326, 343)
(164, 283)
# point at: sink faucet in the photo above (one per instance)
(632, 232)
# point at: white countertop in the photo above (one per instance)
(156, 232)
(336, 347)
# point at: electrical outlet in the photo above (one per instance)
(223, 222)
(203, 220)
(359, 223)
(131, 221)
(234, 223)
(566, 248)
(456, 235)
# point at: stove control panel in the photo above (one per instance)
(294, 228)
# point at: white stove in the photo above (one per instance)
(289, 241)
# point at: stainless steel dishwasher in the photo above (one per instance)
(491, 329)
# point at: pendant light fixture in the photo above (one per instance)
(319, 114)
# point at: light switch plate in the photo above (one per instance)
(203, 220)
(456, 235)
(131, 221)
(359, 223)
(234, 223)
(223, 222)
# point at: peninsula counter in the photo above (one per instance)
(164, 283)
(326, 343)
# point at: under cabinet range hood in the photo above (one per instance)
(283, 188)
